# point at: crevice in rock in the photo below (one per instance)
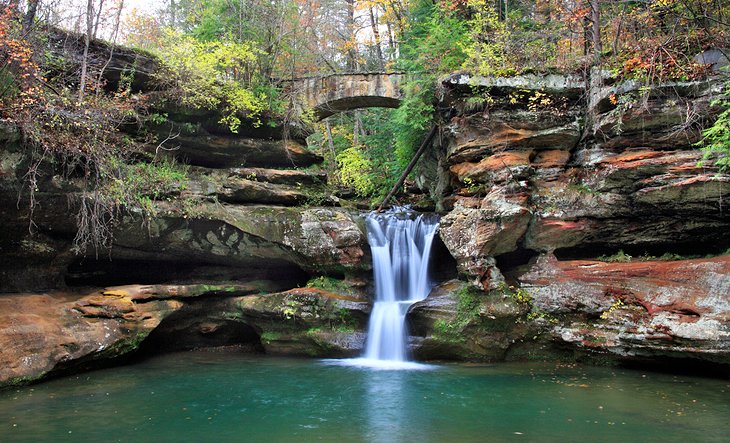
(671, 251)
(515, 263)
(677, 366)
(103, 272)
(443, 265)
(201, 324)
(86, 271)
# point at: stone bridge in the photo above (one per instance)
(334, 93)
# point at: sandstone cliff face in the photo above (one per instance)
(641, 309)
(541, 185)
(222, 261)
(54, 333)
(547, 179)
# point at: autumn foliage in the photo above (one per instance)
(20, 78)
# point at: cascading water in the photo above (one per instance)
(400, 247)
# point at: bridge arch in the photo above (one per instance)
(335, 93)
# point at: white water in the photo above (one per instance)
(400, 248)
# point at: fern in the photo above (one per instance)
(715, 141)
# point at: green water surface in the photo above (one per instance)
(218, 397)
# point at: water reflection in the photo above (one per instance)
(176, 398)
(391, 407)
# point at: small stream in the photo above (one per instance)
(207, 396)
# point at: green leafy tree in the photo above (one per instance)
(216, 74)
(433, 46)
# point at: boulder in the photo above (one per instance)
(480, 135)
(292, 177)
(664, 116)
(44, 334)
(314, 239)
(458, 322)
(307, 321)
(474, 236)
(557, 84)
(116, 61)
(716, 58)
(256, 185)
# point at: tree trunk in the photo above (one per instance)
(87, 41)
(376, 35)
(356, 128)
(351, 42)
(501, 10)
(331, 144)
(98, 18)
(617, 38)
(426, 142)
(173, 10)
(29, 16)
(596, 31)
(391, 40)
(117, 21)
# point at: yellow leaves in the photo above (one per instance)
(214, 75)
(539, 100)
(365, 5)
(534, 100)
(487, 50)
(343, 131)
(355, 170)
(663, 4)
(116, 293)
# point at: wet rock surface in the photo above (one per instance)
(458, 322)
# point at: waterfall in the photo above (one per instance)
(400, 247)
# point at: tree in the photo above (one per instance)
(29, 16)
(596, 31)
(87, 42)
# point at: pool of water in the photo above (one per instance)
(218, 397)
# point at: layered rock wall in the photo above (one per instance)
(222, 259)
(579, 219)
(589, 209)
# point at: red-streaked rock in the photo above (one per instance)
(549, 234)
(492, 168)
(640, 308)
(483, 135)
(43, 333)
(553, 158)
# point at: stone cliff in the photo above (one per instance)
(584, 217)
(577, 218)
